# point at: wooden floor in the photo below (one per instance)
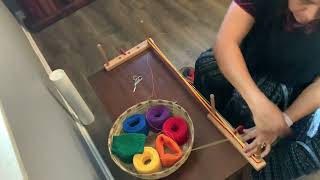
(182, 29)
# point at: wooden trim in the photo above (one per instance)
(136, 50)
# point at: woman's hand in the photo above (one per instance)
(268, 117)
(261, 138)
(270, 125)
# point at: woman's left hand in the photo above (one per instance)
(270, 124)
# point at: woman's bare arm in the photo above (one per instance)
(236, 25)
(307, 102)
(266, 115)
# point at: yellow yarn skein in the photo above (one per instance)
(147, 162)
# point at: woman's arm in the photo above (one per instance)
(307, 102)
(266, 115)
(235, 26)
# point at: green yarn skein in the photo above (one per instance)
(125, 146)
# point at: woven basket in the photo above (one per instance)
(142, 107)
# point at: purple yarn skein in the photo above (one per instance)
(156, 116)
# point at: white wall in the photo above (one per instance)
(49, 145)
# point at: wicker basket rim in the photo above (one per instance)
(167, 171)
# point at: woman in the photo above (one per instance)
(264, 76)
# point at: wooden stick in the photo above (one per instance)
(252, 159)
(193, 91)
(213, 103)
(117, 61)
(220, 121)
(258, 153)
(103, 53)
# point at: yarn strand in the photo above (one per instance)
(153, 93)
(215, 143)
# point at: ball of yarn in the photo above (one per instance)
(168, 158)
(125, 146)
(156, 116)
(135, 124)
(147, 162)
(177, 129)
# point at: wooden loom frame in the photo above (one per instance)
(214, 116)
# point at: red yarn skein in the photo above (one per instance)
(177, 129)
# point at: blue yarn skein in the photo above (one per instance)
(136, 124)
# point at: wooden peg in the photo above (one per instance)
(213, 103)
(258, 153)
(103, 53)
(239, 131)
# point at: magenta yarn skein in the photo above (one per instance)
(177, 129)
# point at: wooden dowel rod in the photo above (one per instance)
(103, 53)
(217, 116)
(213, 103)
